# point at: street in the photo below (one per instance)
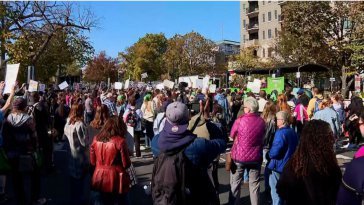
(55, 186)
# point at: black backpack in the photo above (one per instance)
(176, 181)
(131, 118)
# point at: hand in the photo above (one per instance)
(353, 117)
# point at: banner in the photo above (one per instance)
(63, 85)
(118, 85)
(11, 75)
(33, 86)
(275, 84)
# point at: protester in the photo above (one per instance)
(338, 107)
(283, 147)
(101, 115)
(160, 120)
(60, 117)
(20, 143)
(89, 112)
(313, 105)
(109, 102)
(312, 175)
(352, 122)
(329, 115)
(300, 111)
(75, 131)
(109, 154)
(222, 101)
(198, 152)
(247, 133)
(262, 100)
(148, 116)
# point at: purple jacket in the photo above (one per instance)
(248, 133)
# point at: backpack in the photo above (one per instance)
(317, 105)
(176, 181)
(132, 118)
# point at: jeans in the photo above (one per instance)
(236, 178)
(273, 179)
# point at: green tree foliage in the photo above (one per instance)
(322, 32)
(146, 55)
(29, 27)
(101, 68)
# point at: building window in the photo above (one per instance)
(263, 34)
(347, 24)
(269, 2)
(276, 32)
(263, 2)
(263, 17)
(244, 24)
(243, 7)
(275, 14)
(263, 53)
(269, 33)
(269, 16)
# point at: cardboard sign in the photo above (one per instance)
(118, 85)
(42, 87)
(33, 86)
(199, 83)
(63, 85)
(127, 83)
(212, 88)
(144, 75)
(205, 82)
(11, 75)
(169, 84)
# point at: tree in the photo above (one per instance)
(101, 68)
(189, 54)
(322, 32)
(35, 24)
(146, 55)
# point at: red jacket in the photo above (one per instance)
(111, 160)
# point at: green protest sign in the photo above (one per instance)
(275, 84)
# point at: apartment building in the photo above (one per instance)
(260, 25)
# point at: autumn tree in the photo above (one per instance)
(101, 68)
(146, 55)
(323, 32)
(32, 25)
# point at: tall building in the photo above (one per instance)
(260, 25)
(224, 50)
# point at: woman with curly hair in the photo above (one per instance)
(282, 104)
(312, 176)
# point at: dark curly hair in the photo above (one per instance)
(315, 151)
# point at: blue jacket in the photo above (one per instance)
(284, 145)
(201, 152)
(330, 116)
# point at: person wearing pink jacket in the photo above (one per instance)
(247, 151)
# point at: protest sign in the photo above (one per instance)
(168, 84)
(63, 85)
(11, 75)
(127, 83)
(144, 75)
(212, 88)
(160, 86)
(33, 86)
(205, 82)
(199, 83)
(275, 84)
(42, 87)
(118, 85)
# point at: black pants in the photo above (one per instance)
(148, 126)
(137, 136)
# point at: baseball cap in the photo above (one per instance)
(177, 118)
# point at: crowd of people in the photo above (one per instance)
(293, 136)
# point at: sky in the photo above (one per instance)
(121, 24)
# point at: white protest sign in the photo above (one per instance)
(160, 86)
(168, 84)
(127, 83)
(255, 85)
(42, 87)
(212, 88)
(118, 85)
(11, 75)
(144, 75)
(198, 84)
(33, 86)
(63, 85)
(205, 82)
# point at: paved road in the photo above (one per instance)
(55, 186)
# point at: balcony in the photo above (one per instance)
(281, 2)
(251, 43)
(253, 27)
(252, 11)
